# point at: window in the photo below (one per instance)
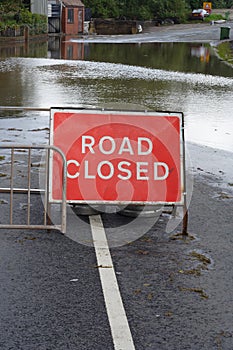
(70, 17)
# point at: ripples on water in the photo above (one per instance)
(206, 100)
(101, 70)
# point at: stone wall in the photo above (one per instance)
(111, 27)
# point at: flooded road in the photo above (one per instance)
(174, 291)
(185, 77)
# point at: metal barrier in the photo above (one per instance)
(29, 191)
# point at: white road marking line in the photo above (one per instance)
(121, 334)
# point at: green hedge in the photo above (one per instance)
(38, 24)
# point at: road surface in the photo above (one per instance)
(196, 32)
(176, 294)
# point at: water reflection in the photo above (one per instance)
(202, 52)
(163, 76)
(174, 56)
(23, 49)
(63, 48)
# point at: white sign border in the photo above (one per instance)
(81, 110)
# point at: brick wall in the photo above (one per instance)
(75, 27)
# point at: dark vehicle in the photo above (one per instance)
(199, 14)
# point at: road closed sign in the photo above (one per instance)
(118, 156)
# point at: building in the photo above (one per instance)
(66, 16)
(73, 14)
(37, 6)
(54, 16)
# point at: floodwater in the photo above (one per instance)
(181, 77)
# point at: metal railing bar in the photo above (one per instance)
(11, 186)
(46, 197)
(21, 108)
(64, 181)
(21, 190)
(29, 191)
(21, 146)
(33, 227)
(29, 187)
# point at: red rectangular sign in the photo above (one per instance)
(118, 156)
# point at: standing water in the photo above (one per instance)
(182, 77)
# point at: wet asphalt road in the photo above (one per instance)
(177, 294)
(196, 32)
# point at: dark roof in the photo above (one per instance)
(74, 3)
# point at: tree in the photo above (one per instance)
(148, 9)
(15, 13)
(229, 4)
(194, 4)
(221, 3)
(103, 8)
(8, 6)
(169, 8)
